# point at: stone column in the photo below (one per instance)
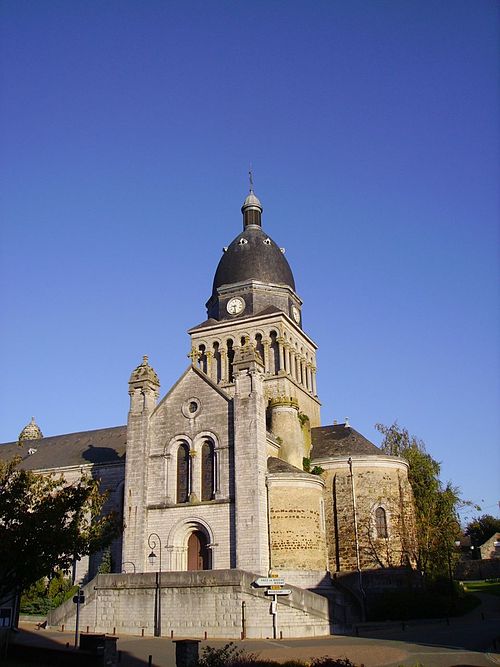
(280, 342)
(308, 375)
(302, 362)
(210, 365)
(293, 369)
(288, 359)
(267, 345)
(193, 461)
(168, 482)
(313, 375)
(223, 366)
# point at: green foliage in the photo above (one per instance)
(106, 564)
(434, 601)
(436, 505)
(45, 594)
(46, 523)
(306, 465)
(220, 657)
(303, 418)
(481, 528)
(231, 656)
(491, 586)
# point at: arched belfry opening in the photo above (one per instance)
(198, 552)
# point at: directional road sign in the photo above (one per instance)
(270, 581)
(280, 591)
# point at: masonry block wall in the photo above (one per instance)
(351, 502)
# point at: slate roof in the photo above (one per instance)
(278, 465)
(253, 256)
(339, 440)
(105, 445)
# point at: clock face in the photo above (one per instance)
(296, 314)
(235, 306)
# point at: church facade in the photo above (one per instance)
(232, 472)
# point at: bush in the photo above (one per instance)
(231, 656)
(45, 594)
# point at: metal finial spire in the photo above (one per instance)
(250, 178)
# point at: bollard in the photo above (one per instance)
(281, 634)
(87, 629)
(62, 627)
(119, 656)
(150, 660)
(205, 634)
(67, 644)
(171, 634)
(114, 631)
(142, 632)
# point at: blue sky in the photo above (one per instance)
(127, 128)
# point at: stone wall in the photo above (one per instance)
(350, 505)
(193, 603)
(297, 525)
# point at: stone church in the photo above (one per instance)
(230, 476)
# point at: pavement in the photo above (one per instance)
(472, 640)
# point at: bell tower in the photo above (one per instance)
(254, 302)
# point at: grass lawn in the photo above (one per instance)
(491, 587)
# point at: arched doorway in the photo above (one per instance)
(198, 553)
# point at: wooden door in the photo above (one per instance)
(198, 552)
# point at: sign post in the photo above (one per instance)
(78, 599)
(274, 585)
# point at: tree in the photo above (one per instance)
(46, 523)
(436, 505)
(481, 528)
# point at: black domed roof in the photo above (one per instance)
(253, 256)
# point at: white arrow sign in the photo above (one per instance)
(279, 591)
(269, 581)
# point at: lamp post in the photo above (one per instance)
(153, 542)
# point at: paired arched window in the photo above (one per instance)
(200, 479)
(183, 473)
(208, 470)
(381, 522)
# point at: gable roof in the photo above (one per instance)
(339, 440)
(105, 445)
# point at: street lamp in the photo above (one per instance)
(153, 542)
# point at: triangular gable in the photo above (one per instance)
(202, 376)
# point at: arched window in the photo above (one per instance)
(230, 358)
(202, 359)
(259, 346)
(381, 522)
(275, 363)
(207, 470)
(217, 362)
(198, 553)
(183, 473)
